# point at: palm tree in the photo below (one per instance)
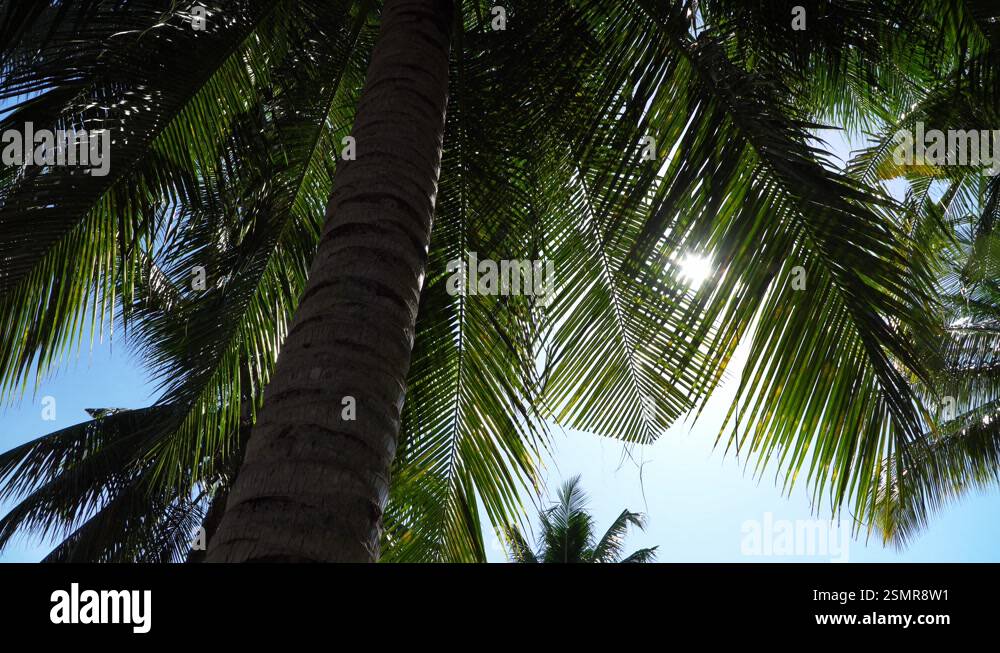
(962, 451)
(228, 157)
(953, 213)
(313, 485)
(567, 533)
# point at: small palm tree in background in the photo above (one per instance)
(568, 533)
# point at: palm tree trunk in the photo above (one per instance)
(313, 485)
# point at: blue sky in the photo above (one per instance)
(697, 502)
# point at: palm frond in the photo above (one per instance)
(609, 547)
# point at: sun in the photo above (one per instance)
(695, 269)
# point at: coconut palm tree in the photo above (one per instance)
(963, 439)
(954, 216)
(321, 164)
(567, 534)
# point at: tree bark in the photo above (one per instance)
(313, 485)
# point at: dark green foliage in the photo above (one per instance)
(226, 143)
